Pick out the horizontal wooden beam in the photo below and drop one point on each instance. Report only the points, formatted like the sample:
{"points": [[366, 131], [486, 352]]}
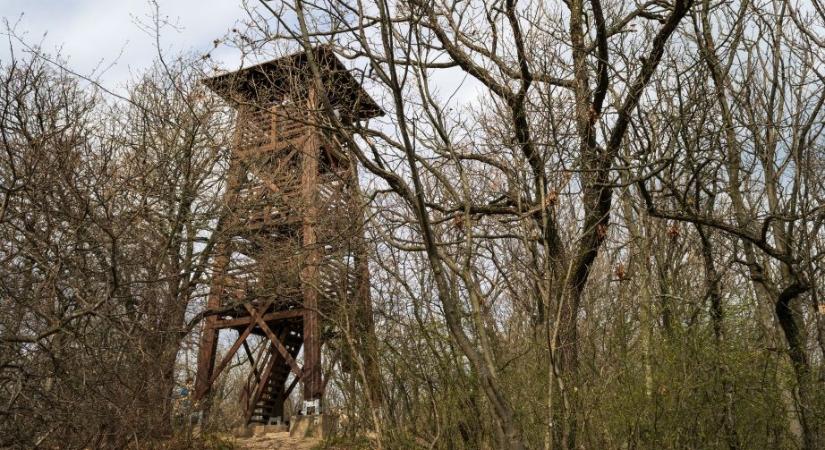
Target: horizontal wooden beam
{"points": [[229, 323]]}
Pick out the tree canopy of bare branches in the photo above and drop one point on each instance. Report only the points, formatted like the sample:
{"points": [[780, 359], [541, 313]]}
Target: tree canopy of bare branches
{"points": [[590, 224]]}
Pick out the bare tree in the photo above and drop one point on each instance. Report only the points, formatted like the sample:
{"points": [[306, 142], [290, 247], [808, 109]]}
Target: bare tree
{"points": [[738, 162], [106, 220]]}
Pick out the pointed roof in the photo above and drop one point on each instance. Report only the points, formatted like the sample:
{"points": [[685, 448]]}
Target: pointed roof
{"points": [[276, 79]]}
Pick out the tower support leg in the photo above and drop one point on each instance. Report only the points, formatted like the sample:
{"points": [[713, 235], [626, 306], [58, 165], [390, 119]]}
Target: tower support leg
{"points": [[310, 280]]}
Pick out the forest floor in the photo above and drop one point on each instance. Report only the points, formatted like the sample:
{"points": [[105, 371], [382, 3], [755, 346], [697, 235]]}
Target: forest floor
{"points": [[275, 441]]}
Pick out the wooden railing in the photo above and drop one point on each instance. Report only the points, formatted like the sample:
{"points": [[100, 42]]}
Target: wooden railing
{"points": [[262, 130]]}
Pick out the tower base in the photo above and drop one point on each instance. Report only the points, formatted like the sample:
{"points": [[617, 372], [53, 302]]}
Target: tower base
{"points": [[320, 426]]}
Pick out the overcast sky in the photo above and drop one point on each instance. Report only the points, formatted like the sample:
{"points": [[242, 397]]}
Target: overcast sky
{"points": [[93, 35], [97, 33]]}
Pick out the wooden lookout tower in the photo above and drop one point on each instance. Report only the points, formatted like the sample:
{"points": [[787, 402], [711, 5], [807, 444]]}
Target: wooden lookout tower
{"points": [[290, 251]]}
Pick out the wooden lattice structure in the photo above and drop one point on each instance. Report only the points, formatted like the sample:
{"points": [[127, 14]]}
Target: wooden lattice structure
{"points": [[290, 249]]}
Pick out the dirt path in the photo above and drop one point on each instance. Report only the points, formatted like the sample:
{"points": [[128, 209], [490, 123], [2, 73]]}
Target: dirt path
{"points": [[275, 441]]}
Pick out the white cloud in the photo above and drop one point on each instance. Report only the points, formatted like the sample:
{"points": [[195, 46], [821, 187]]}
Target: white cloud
{"points": [[94, 34]]}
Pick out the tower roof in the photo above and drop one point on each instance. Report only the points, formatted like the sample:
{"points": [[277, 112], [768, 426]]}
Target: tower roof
{"points": [[274, 80]]}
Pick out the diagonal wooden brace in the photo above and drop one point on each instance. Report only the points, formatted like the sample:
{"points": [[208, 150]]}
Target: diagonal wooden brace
{"points": [[234, 349], [277, 343], [229, 354], [291, 386], [252, 361]]}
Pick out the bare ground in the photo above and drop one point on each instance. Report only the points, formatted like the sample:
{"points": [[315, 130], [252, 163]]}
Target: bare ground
{"points": [[275, 441]]}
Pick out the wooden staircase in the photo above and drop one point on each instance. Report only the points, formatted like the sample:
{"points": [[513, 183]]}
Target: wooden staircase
{"points": [[263, 395]]}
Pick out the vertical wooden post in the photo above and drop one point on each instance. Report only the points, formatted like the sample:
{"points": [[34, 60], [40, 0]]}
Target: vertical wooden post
{"points": [[309, 277], [209, 336]]}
